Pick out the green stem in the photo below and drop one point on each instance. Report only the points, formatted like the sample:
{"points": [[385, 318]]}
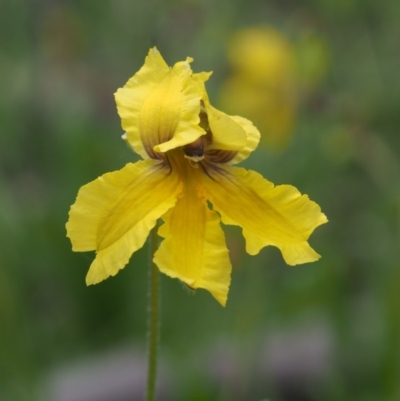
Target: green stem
{"points": [[153, 322]]}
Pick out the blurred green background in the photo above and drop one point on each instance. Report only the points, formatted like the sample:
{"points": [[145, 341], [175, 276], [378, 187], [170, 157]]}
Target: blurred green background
{"points": [[329, 330]]}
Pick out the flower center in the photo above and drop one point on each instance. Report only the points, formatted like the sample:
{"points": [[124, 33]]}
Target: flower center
{"points": [[195, 151]]}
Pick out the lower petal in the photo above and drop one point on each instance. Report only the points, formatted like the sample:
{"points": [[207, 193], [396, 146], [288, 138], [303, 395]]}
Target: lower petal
{"points": [[114, 214], [194, 248], [268, 214]]}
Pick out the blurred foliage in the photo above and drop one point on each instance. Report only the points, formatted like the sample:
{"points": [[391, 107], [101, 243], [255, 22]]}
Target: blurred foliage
{"points": [[61, 62]]}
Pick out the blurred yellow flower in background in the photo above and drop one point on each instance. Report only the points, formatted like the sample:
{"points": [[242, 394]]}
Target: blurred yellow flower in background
{"points": [[268, 75], [188, 148]]}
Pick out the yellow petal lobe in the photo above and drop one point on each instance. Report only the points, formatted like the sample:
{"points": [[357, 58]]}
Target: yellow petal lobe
{"points": [[159, 107], [132, 96], [268, 214], [183, 97], [114, 214], [252, 139], [227, 133], [194, 248]]}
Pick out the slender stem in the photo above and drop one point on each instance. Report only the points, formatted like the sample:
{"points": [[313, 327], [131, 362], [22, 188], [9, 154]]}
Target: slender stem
{"points": [[153, 322]]}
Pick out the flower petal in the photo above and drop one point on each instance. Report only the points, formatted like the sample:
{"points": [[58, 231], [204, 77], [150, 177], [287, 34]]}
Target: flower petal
{"points": [[269, 215], [227, 133], [114, 214], [183, 98], [215, 153], [160, 106], [131, 97], [252, 139], [194, 248]]}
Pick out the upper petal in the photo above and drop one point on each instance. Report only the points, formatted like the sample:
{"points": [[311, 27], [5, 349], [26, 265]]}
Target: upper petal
{"points": [[114, 214], [194, 248], [269, 215], [227, 132], [159, 106], [252, 139], [131, 97], [233, 157], [186, 94]]}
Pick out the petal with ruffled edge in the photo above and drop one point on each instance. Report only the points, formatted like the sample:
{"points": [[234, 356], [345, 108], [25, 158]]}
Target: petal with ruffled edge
{"points": [[252, 139], [114, 214], [180, 98], [227, 132], [194, 248], [159, 106], [131, 97], [268, 214]]}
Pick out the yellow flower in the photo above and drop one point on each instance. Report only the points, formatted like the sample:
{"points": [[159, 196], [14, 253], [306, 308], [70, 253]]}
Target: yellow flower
{"points": [[264, 85], [188, 148]]}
